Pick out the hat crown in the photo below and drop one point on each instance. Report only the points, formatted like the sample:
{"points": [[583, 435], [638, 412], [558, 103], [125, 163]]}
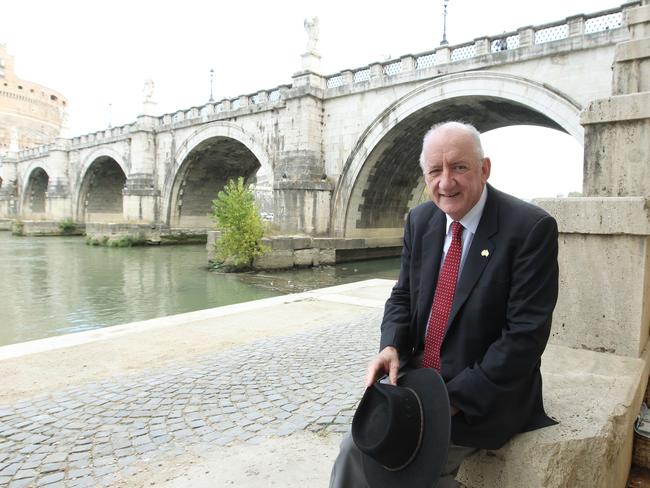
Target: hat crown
{"points": [[390, 426]]}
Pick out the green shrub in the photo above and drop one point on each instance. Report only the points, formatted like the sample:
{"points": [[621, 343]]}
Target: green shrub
{"points": [[236, 216], [128, 241], [17, 227], [103, 241], [67, 226]]}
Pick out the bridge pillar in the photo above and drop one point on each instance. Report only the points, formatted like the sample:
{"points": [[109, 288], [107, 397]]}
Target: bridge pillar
{"points": [[605, 236], [617, 129], [604, 241], [58, 203], [9, 188], [302, 191], [140, 195]]}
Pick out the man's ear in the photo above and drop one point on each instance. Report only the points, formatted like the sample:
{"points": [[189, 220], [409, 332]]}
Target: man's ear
{"points": [[486, 168]]}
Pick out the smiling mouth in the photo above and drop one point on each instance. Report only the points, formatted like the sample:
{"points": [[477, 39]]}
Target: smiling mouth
{"points": [[452, 195]]}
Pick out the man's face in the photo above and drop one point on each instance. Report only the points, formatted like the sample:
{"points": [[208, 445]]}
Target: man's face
{"points": [[453, 171]]}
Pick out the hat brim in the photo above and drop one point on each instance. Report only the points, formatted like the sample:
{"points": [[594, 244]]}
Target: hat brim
{"points": [[426, 467]]}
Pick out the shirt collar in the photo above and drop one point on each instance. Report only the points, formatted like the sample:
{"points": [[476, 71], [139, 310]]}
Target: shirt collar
{"points": [[473, 217]]}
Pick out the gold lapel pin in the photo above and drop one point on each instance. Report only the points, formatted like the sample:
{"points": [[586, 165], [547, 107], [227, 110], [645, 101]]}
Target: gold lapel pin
{"points": [[485, 253]]}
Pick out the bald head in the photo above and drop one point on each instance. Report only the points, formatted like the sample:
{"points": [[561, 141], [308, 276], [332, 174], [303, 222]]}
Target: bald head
{"points": [[454, 128], [455, 170]]}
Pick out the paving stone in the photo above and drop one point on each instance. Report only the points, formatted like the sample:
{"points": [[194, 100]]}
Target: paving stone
{"points": [[102, 449], [10, 470], [87, 482], [126, 461], [79, 463], [25, 473], [103, 461], [4, 449], [104, 470], [50, 478], [144, 448], [163, 439], [120, 443], [220, 398], [22, 483], [183, 434], [52, 467], [78, 473], [31, 464], [145, 439], [29, 449]]}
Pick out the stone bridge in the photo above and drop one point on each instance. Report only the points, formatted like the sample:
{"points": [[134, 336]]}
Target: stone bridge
{"points": [[333, 155]]}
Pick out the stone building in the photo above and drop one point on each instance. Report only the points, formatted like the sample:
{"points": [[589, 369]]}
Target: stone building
{"points": [[30, 114]]}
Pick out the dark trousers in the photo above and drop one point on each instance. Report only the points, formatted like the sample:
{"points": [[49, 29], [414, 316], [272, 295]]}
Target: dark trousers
{"points": [[347, 471]]}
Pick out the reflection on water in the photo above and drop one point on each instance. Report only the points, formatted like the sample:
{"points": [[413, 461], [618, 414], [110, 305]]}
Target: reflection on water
{"points": [[56, 285]]}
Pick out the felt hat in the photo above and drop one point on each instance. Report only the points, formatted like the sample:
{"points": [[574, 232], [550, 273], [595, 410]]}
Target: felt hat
{"points": [[403, 431]]}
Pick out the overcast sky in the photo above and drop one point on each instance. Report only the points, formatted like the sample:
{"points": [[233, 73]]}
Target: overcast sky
{"points": [[99, 53]]}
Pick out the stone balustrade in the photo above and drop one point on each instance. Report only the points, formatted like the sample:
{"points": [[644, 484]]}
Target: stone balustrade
{"points": [[180, 117], [578, 25], [524, 37]]}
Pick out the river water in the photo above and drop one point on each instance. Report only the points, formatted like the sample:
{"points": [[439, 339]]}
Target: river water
{"points": [[57, 285]]}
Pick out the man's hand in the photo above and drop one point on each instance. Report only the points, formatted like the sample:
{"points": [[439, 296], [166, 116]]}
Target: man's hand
{"points": [[387, 361]]}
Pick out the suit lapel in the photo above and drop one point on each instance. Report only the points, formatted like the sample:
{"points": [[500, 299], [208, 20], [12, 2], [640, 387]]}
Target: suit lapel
{"points": [[476, 259], [431, 245]]}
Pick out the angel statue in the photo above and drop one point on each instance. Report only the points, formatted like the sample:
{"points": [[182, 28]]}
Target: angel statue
{"points": [[147, 90], [311, 26]]}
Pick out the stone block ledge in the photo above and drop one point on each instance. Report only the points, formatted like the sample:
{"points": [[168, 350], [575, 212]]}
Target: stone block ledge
{"points": [[5, 224], [41, 228], [302, 251], [635, 106], [123, 233], [599, 215], [596, 398]]}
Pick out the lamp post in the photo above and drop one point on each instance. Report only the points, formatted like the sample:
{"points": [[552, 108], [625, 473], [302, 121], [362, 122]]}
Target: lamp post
{"points": [[444, 23], [211, 80]]}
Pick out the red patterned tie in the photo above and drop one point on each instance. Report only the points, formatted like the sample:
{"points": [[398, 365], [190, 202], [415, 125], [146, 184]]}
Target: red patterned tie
{"points": [[442, 300]]}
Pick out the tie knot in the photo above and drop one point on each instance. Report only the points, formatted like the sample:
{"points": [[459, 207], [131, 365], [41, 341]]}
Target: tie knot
{"points": [[456, 230]]}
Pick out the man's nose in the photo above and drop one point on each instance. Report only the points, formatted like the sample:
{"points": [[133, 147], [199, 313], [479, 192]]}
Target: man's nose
{"points": [[446, 179]]}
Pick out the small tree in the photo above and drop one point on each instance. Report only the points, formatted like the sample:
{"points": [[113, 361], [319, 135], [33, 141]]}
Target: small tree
{"points": [[236, 216]]}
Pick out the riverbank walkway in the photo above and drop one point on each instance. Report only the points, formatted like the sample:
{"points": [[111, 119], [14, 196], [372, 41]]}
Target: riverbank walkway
{"points": [[243, 395], [258, 395]]}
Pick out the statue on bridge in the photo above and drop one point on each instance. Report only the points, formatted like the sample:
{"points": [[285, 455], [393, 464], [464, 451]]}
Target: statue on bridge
{"points": [[147, 90], [148, 105], [311, 26]]}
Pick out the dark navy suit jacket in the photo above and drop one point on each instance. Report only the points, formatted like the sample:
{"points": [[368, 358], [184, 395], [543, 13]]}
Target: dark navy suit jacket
{"points": [[500, 319]]}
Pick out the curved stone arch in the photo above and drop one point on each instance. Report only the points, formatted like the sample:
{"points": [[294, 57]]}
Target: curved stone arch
{"points": [[264, 175], [553, 104], [103, 152], [27, 177]]}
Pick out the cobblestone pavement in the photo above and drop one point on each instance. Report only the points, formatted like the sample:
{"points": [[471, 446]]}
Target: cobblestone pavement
{"points": [[97, 434]]}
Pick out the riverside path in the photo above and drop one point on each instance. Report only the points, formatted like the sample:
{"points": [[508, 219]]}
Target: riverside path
{"points": [[177, 388], [259, 394]]}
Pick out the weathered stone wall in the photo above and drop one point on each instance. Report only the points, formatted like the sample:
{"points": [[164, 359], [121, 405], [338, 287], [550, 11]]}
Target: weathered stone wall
{"points": [[30, 114]]}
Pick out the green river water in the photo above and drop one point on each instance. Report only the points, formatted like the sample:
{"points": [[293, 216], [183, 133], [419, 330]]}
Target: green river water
{"points": [[58, 285]]}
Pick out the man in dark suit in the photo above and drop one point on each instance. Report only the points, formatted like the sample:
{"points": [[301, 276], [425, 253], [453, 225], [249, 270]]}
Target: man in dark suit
{"points": [[492, 302]]}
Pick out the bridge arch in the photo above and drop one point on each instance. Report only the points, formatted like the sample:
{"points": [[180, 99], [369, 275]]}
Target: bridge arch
{"points": [[204, 163], [99, 198], [381, 178], [34, 190]]}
